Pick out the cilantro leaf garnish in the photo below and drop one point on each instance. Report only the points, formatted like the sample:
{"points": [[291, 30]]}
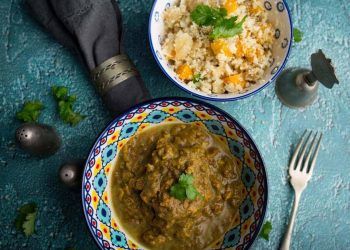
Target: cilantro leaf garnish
{"points": [[65, 105], [184, 189], [204, 15], [265, 231], [298, 35], [25, 220], [30, 111], [227, 28]]}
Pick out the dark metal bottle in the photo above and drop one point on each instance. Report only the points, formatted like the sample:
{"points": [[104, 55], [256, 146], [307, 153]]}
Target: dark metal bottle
{"points": [[297, 87]]}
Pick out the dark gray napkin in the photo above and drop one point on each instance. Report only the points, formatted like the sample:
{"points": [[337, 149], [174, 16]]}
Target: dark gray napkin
{"points": [[92, 28]]}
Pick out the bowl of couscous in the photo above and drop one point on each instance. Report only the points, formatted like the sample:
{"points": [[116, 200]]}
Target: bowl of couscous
{"points": [[221, 50]]}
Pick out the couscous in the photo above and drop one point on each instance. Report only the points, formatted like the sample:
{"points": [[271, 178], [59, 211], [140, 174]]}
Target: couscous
{"points": [[218, 46]]}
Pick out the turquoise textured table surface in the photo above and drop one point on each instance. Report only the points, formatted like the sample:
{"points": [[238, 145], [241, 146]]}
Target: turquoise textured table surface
{"points": [[31, 62]]}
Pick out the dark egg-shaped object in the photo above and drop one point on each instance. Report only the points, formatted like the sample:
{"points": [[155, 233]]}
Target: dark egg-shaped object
{"points": [[70, 174], [38, 139]]}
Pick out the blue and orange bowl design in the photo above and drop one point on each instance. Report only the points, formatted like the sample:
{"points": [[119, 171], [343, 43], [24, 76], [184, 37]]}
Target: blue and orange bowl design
{"points": [[96, 196]]}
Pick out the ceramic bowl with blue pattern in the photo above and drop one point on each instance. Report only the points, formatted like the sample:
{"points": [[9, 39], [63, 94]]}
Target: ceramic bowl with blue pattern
{"points": [[96, 194], [278, 14]]}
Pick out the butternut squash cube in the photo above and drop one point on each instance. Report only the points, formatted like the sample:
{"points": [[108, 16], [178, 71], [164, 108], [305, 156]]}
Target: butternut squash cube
{"points": [[231, 6], [221, 46], [185, 72], [237, 79]]}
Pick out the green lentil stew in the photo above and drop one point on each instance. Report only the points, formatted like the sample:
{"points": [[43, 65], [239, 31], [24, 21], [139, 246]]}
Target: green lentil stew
{"points": [[176, 186]]}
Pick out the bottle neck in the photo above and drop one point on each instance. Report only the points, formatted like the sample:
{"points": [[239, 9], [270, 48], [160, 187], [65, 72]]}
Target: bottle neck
{"points": [[310, 78]]}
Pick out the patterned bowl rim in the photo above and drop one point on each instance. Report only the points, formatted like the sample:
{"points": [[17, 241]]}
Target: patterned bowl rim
{"points": [[196, 101], [209, 98]]}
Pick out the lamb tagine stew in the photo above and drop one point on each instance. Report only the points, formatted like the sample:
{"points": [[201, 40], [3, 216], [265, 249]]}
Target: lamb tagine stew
{"points": [[176, 186]]}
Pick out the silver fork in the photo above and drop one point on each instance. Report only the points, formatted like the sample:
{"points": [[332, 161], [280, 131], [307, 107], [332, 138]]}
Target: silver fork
{"points": [[301, 167]]}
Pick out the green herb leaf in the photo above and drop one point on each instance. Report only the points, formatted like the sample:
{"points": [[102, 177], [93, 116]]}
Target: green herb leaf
{"points": [[30, 111], [186, 180], [60, 92], [298, 35], [184, 188], [25, 220], [227, 28], [29, 224], [197, 78], [191, 193], [65, 105], [265, 231], [178, 191], [205, 15]]}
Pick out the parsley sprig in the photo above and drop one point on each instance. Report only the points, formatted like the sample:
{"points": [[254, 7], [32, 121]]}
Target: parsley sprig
{"points": [[30, 111], [65, 105], [223, 27], [25, 220], [184, 188]]}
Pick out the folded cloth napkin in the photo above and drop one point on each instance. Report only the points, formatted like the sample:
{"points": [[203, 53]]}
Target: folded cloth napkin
{"points": [[93, 29]]}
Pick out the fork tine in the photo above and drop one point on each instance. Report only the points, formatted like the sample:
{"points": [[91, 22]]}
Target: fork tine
{"points": [[311, 151], [301, 157], [296, 151], [313, 162]]}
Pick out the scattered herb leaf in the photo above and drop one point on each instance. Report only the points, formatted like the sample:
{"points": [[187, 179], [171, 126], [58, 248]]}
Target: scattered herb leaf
{"points": [[184, 188], [197, 78], [30, 111], [205, 15], [265, 231], [298, 35], [25, 220], [65, 105]]}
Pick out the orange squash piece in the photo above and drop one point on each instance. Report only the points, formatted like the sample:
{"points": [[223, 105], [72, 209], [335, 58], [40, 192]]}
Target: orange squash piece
{"points": [[235, 79], [185, 72], [220, 46], [239, 52], [256, 10], [231, 6], [250, 54]]}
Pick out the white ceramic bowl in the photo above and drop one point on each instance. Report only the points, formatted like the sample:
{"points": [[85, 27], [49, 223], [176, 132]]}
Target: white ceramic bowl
{"points": [[278, 15]]}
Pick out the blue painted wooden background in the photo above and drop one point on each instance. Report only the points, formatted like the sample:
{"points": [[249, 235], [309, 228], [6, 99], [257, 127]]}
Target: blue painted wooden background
{"points": [[31, 61]]}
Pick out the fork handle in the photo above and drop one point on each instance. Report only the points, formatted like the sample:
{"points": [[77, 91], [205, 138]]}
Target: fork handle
{"points": [[288, 234]]}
